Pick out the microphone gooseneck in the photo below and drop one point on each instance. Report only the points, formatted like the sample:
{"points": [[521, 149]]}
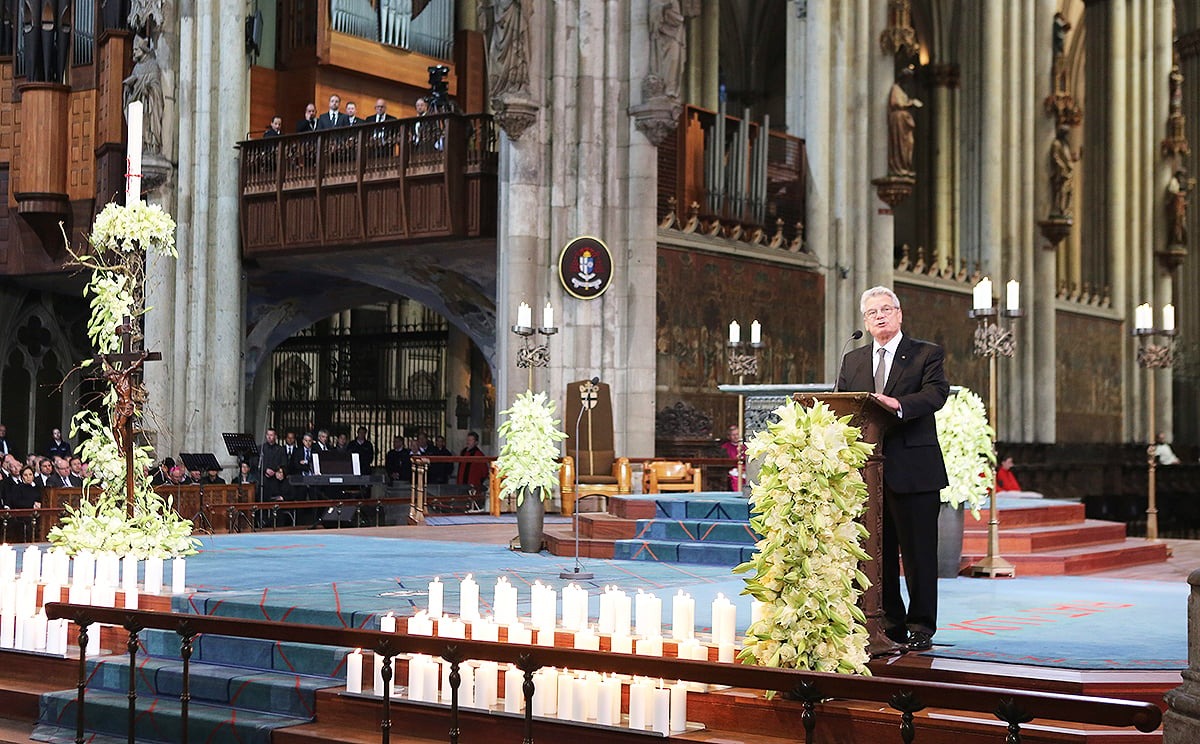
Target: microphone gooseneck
{"points": [[841, 357]]}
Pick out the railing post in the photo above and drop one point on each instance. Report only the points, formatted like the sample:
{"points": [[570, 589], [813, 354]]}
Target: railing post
{"points": [[907, 703], [385, 673], [452, 655], [131, 646], [186, 636], [82, 639], [809, 695], [1014, 715], [526, 664]]}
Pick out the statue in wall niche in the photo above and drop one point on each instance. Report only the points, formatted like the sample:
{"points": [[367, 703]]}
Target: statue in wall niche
{"points": [[46, 32], [505, 23], [145, 84], [1062, 173], [1059, 49], [1179, 188], [901, 126], [668, 45]]}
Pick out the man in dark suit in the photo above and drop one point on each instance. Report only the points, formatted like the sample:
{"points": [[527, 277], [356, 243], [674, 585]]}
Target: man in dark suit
{"points": [[381, 115], [62, 477], [276, 128], [309, 122], [906, 376], [332, 119], [5, 448]]}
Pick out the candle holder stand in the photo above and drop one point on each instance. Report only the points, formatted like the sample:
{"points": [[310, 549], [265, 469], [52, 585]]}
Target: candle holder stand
{"points": [[531, 355], [743, 365], [1152, 356], [994, 338]]}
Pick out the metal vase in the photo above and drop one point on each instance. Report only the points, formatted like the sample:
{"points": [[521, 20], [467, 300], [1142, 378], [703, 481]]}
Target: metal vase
{"points": [[950, 541], [531, 520]]}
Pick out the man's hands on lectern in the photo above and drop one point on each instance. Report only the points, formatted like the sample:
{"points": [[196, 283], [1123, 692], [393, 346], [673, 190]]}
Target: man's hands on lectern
{"points": [[887, 400]]}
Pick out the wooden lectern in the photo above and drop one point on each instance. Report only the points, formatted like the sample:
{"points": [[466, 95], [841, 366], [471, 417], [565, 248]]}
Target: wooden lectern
{"points": [[873, 419]]}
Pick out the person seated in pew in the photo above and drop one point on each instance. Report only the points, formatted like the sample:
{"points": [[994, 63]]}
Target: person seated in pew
{"points": [[212, 478], [23, 495]]}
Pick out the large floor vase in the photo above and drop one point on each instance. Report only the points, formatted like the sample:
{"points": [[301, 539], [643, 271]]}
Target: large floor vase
{"points": [[950, 541], [531, 520]]}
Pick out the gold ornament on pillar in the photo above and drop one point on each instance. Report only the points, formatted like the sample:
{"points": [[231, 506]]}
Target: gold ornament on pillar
{"points": [[1176, 142], [899, 36]]}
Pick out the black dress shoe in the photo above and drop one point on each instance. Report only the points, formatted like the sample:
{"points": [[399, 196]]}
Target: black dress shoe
{"points": [[919, 641], [897, 635]]}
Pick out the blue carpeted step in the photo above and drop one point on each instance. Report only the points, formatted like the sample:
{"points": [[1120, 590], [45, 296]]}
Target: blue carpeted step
{"points": [[698, 530], [671, 551], [295, 658], [275, 692], [715, 506], [157, 719]]}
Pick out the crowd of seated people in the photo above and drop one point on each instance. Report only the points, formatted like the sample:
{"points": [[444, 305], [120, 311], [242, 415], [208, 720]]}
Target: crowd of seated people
{"points": [[22, 482]]}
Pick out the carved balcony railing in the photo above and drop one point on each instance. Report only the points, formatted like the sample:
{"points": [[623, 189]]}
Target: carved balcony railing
{"points": [[402, 180], [733, 175]]}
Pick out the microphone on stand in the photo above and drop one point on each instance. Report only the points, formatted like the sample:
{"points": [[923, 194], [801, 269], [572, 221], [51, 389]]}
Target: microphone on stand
{"points": [[841, 357], [578, 573]]}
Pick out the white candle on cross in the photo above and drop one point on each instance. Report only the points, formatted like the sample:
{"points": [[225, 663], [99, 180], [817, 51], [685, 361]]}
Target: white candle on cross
{"points": [[133, 154]]}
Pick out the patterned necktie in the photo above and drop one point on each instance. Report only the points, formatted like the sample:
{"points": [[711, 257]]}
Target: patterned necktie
{"points": [[881, 372]]}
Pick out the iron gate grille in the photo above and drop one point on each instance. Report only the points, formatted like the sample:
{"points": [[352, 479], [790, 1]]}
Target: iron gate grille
{"points": [[391, 381]]}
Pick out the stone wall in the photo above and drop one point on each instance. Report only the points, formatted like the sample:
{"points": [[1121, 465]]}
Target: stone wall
{"points": [[1088, 368]]}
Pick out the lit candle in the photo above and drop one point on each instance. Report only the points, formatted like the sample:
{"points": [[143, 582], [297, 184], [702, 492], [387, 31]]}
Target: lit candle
{"points": [[545, 638], [51, 593], [387, 623], [154, 574], [416, 676], [587, 640], [8, 630], [514, 695], [436, 589], [85, 569], [604, 702], [129, 574], [574, 603], [429, 685], [983, 294], [504, 604], [8, 563], [548, 316], [451, 628], [662, 711], [641, 698], [1168, 317], [354, 671], [648, 615], [566, 690], [679, 692], [178, 575], [31, 563], [735, 332], [621, 644], [545, 691], [420, 624], [622, 613], [650, 646], [518, 633], [683, 610], [133, 153], [579, 699], [1013, 292], [486, 673], [524, 316], [604, 621], [485, 630], [1143, 317], [756, 332], [468, 595], [543, 606], [725, 653]]}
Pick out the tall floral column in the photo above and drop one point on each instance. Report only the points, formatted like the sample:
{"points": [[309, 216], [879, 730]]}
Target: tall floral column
{"points": [[528, 462]]}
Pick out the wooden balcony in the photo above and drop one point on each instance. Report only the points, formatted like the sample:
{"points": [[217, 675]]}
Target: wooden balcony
{"points": [[381, 184], [732, 171]]}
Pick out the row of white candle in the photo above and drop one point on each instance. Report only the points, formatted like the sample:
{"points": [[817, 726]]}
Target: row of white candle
{"points": [[620, 615], [582, 697], [88, 569]]}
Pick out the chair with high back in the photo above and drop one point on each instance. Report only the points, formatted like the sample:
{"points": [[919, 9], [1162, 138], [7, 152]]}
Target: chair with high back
{"points": [[599, 472], [670, 475]]}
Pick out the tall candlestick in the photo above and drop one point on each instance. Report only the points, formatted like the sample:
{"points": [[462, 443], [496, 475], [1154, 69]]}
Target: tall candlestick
{"points": [[133, 193]]}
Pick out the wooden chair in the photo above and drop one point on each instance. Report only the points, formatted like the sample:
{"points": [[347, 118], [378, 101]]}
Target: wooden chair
{"points": [[670, 475], [599, 484]]}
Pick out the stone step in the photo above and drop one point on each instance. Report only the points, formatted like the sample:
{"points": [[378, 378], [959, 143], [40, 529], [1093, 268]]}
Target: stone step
{"points": [[672, 551], [1014, 539], [1082, 560], [1016, 512]]}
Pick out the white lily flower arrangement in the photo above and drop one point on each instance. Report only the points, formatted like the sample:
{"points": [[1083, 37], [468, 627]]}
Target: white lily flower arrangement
{"points": [[967, 442], [104, 520], [528, 460], [805, 570]]}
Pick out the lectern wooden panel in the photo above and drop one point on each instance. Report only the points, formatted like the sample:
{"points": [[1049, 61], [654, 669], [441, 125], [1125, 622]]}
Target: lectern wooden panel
{"points": [[873, 419]]}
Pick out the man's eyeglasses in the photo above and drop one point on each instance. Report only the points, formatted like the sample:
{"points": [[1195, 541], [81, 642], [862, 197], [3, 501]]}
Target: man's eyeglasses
{"points": [[886, 311]]}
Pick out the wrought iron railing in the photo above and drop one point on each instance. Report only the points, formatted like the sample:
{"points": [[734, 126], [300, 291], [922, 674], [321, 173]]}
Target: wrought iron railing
{"points": [[1013, 707]]}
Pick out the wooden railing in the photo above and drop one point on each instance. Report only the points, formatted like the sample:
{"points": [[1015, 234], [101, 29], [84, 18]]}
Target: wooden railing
{"points": [[402, 180], [1013, 707]]}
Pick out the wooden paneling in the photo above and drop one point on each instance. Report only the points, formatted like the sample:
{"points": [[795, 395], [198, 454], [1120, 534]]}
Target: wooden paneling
{"points": [[113, 64], [264, 102], [300, 219], [373, 58], [427, 207], [81, 181], [8, 105], [470, 64], [44, 148], [384, 209], [14, 172]]}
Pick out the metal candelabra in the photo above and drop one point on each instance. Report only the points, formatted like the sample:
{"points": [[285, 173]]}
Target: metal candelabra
{"points": [[530, 354], [1152, 356], [994, 337], [742, 364]]}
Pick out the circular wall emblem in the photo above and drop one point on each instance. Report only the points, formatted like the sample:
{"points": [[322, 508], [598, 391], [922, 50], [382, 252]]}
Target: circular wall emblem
{"points": [[585, 267]]}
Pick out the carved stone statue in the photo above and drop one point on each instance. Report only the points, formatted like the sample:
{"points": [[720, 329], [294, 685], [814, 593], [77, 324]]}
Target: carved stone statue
{"points": [[145, 84], [506, 25], [1062, 173], [1059, 48], [1178, 190], [901, 127], [668, 45], [46, 30]]}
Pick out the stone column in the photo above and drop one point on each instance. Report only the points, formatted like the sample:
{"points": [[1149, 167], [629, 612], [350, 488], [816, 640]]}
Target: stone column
{"points": [[1187, 307], [1181, 722], [1040, 324], [710, 29], [197, 391], [1160, 32], [880, 69], [945, 77], [991, 145]]}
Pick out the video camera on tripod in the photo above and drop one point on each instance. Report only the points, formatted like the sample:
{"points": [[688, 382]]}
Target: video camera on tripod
{"points": [[439, 97]]}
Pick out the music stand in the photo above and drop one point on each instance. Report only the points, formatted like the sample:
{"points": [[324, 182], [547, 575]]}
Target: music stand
{"points": [[241, 446], [202, 462]]}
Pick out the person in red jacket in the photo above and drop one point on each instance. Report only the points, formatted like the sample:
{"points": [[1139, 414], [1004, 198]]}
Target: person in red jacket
{"points": [[1005, 480], [472, 473]]}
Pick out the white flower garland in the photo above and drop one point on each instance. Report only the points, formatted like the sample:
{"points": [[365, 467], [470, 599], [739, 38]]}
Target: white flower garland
{"points": [[968, 450], [529, 458], [805, 570], [104, 521]]}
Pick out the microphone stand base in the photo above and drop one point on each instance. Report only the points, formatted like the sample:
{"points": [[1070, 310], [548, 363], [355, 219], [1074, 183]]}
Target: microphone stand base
{"points": [[577, 574]]}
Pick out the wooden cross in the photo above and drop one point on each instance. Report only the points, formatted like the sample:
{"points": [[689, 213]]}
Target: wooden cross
{"points": [[125, 407]]}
